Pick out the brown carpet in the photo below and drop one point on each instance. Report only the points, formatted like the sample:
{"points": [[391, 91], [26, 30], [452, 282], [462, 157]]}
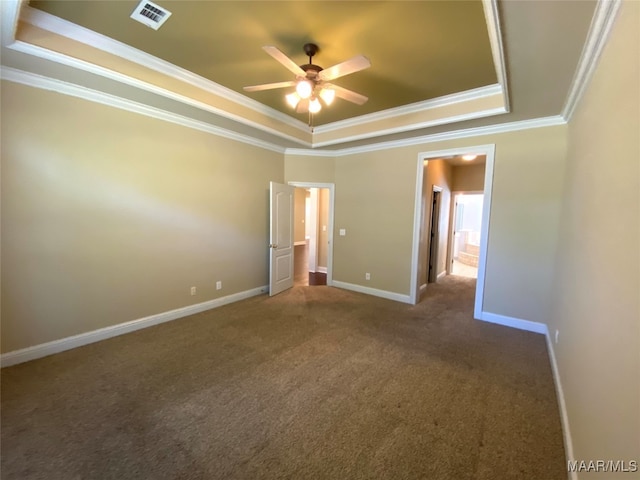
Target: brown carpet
{"points": [[315, 383]]}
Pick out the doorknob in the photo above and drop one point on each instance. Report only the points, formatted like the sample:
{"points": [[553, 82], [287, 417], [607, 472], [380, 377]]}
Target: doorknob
{"points": [[273, 245]]}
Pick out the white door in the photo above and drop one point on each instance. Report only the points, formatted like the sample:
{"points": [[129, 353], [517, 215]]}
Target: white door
{"points": [[281, 238]]}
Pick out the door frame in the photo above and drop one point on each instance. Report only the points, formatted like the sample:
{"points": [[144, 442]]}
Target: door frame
{"points": [[489, 151], [331, 188], [434, 240]]}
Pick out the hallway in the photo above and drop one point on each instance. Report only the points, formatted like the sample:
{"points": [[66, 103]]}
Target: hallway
{"points": [[301, 274]]}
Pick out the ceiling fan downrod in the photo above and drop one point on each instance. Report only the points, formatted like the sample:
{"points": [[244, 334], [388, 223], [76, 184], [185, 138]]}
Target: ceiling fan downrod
{"points": [[310, 49]]}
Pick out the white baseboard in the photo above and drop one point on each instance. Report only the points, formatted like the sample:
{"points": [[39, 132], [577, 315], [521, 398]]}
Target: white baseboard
{"points": [[564, 417], [57, 346], [398, 297], [423, 288], [441, 274], [321, 269], [512, 322]]}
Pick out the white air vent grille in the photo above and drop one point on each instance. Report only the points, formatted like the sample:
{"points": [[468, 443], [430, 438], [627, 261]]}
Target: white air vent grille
{"points": [[150, 14]]}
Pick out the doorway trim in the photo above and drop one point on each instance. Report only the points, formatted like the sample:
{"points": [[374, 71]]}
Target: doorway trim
{"points": [[489, 151], [331, 188], [433, 252]]}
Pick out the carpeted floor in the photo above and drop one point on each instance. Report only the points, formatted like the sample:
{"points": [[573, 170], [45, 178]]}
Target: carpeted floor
{"points": [[315, 383]]}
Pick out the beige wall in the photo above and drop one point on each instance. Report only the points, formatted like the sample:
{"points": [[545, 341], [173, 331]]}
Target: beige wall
{"points": [[375, 196], [299, 211], [139, 197], [526, 201], [309, 168], [468, 178], [109, 216], [374, 203], [597, 282]]}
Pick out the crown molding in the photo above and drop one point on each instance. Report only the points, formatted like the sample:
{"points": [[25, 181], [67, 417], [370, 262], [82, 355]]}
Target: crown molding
{"points": [[414, 126], [10, 14], [36, 51], [497, 49], [444, 101], [551, 121], [65, 88], [601, 23], [308, 152]]}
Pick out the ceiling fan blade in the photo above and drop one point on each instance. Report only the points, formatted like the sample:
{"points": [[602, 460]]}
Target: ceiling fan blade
{"points": [[268, 86], [289, 64], [347, 67], [303, 106], [348, 95]]}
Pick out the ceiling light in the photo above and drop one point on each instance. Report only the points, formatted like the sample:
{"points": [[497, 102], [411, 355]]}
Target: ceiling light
{"points": [[327, 95], [314, 105], [293, 99], [304, 88], [469, 157]]}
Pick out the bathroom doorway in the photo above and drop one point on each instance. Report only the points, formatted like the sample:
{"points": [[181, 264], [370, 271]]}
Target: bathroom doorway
{"points": [[465, 239]]}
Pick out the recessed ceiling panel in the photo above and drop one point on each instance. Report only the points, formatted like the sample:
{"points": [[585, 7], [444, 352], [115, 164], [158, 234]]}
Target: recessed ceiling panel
{"points": [[418, 50]]}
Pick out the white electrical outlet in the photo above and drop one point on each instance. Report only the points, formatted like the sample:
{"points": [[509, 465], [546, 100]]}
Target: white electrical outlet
{"points": [[218, 285], [367, 276], [557, 334], [193, 290]]}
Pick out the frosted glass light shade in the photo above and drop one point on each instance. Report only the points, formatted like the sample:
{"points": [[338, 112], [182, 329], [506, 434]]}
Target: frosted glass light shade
{"points": [[304, 88], [328, 95], [314, 105], [293, 99]]}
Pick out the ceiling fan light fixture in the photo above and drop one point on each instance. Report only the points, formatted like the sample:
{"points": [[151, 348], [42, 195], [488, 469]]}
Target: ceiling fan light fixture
{"points": [[314, 105], [293, 99], [327, 95], [304, 88]]}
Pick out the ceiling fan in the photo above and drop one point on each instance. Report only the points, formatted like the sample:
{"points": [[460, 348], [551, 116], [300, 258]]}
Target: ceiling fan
{"points": [[312, 81]]}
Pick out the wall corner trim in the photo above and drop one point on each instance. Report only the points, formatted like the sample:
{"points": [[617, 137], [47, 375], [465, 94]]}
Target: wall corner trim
{"points": [[57, 346], [398, 297]]}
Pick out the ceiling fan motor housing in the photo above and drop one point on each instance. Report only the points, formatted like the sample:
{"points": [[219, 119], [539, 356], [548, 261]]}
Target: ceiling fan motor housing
{"points": [[310, 49]]}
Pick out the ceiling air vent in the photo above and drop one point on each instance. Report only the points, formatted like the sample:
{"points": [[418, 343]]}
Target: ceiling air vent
{"points": [[150, 14]]}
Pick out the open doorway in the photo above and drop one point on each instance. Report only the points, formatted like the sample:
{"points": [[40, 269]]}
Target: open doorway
{"points": [[450, 170], [312, 235], [465, 234]]}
